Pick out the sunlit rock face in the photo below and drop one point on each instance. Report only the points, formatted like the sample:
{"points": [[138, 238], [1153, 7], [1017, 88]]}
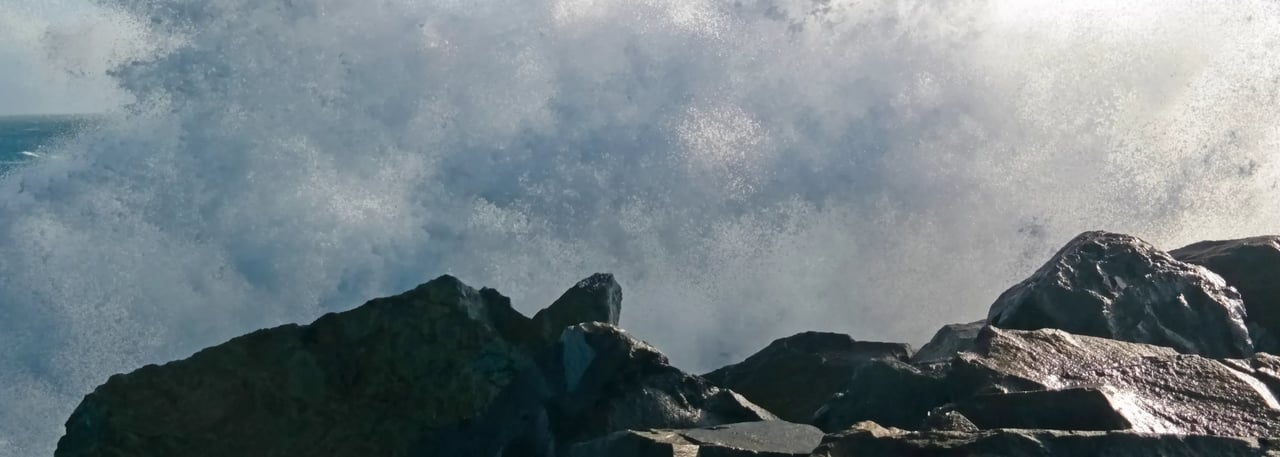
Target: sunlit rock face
{"points": [[1117, 286], [868, 439], [1252, 266], [369, 381], [825, 361]]}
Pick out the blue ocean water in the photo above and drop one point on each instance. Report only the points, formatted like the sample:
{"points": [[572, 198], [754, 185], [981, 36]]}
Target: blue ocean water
{"points": [[24, 138]]}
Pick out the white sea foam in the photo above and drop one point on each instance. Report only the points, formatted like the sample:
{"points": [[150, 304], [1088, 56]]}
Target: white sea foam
{"points": [[748, 169]]}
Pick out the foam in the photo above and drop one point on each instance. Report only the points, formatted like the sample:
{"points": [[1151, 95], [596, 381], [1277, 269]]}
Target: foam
{"points": [[747, 170]]}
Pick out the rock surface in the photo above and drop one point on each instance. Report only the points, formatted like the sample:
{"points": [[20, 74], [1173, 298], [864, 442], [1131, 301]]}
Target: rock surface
{"points": [[825, 361], [749, 439], [885, 391], [1118, 286], [596, 380], [1252, 266], [369, 381], [1151, 388], [868, 439], [950, 340]]}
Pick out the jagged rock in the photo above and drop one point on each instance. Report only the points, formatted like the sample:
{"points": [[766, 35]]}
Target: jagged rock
{"points": [[1154, 389], [825, 361], [595, 299], [885, 391], [1252, 266], [944, 419], [1117, 286], [596, 380], [749, 439], [369, 381], [950, 340], [868, 439]]}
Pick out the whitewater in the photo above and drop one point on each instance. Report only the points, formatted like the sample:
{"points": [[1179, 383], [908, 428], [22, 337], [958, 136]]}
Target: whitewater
{"points": [[748, 169]]}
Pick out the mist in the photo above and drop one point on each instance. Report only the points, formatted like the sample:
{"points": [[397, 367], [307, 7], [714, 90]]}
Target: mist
{"points": [[747, 169]]}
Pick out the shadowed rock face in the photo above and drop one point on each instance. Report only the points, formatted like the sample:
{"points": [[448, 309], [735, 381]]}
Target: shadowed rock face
{"points": [[870, 440], [1117, 286], [825, 361], [370, 381], [889, 392], [596, 380], [947, 342], [749, 439], [1252, 266]]}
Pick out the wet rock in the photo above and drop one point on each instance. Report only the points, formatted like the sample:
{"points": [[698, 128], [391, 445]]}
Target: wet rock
{"points": [[1252, 266], [595, 299], [596, 380], [886, 391], [369, 381], [946, 419], [868, 439], [1117, 286], [750, 439], [1154, 389], [825, 361], [950, 340]]}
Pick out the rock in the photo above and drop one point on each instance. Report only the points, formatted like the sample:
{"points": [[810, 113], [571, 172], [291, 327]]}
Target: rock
{"points": [[1252, 266], [1075, 408], [1101, 384], [945, 419], [885, 391], [596, 380], [595, 299], [369, 381], [1117, 286], [950, 340], [749, 439], [825, 361], [868, 439]]}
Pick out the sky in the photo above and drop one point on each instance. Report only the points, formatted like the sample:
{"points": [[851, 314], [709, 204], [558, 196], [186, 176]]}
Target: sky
{"points": [[54, 55]]}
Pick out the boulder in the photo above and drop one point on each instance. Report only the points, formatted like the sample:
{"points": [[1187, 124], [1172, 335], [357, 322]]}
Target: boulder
{"points": [[369, 381], [868, 439], [595, 381], [1252, 266], [1052, 379], [950, 340], [886, 391], [825, 361], [1118, 286], [749, 439]]}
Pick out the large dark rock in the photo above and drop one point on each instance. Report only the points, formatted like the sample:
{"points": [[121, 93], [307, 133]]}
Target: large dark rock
{"points": [[748, 439], [886, 391], [950, 340], [596, 380], [369, 381], [1117, 286], [595, 299], [1252, 266], [868, 439], [1151, 388], [825, 361]]}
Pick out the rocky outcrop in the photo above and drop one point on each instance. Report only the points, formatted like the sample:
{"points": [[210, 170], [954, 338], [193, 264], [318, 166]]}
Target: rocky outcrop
{"points": [[369, 381], [947, 342], [750, 439], [868, 439], [1252, 266], [595, 299], [596, 380], [1117, 286], [825, 361]]}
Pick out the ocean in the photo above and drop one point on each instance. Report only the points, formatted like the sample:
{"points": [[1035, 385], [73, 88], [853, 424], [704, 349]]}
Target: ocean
{"points": [[25, 138]]}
